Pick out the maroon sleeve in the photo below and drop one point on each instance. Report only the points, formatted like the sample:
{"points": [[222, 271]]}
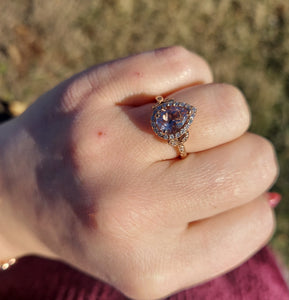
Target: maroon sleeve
{"points": [[34, 278]]}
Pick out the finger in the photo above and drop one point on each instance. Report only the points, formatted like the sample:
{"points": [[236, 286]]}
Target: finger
{"points": [[219, 244], [222, 115], [224, 177], [137, 79]]}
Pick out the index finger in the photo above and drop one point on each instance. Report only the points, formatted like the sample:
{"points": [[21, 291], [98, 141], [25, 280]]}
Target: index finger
{"points": [[136, 79]]}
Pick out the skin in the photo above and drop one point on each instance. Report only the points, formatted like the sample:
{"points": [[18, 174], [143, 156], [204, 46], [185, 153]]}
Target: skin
{"points": [[85, 180]]}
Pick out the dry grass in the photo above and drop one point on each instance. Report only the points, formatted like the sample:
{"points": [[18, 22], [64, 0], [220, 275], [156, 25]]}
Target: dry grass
{"points": [[43, 42]]}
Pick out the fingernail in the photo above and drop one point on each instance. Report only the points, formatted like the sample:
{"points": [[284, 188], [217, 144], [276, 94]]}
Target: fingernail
{"points": [[274, 199]]}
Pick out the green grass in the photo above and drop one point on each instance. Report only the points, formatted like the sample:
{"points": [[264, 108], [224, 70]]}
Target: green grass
{"points": [[246, 42]]}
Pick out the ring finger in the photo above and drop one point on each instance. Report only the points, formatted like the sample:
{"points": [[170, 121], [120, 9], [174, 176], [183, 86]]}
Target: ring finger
{"points": [[222, 115]]}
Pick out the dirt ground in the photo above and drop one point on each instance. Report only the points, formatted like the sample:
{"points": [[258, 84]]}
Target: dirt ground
{"points": [[246, 42]]}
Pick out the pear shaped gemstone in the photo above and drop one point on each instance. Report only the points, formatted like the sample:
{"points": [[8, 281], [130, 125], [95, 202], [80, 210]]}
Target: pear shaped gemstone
{"points": [[172, 119]]}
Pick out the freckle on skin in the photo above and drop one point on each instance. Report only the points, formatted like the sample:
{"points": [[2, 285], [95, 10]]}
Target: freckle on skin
{"points": [[100, 133], [138, 74]]}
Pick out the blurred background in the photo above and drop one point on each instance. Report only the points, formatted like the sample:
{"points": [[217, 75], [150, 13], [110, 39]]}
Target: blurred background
{"points": [[246, 43]]}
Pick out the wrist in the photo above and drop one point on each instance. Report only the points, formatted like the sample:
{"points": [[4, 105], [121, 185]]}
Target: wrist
{"points": [[16, 238]]}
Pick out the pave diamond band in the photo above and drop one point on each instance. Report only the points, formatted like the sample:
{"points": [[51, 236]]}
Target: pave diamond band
{"points": [[171, 120]]}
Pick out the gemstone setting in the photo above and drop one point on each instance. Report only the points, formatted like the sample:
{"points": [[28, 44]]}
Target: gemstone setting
{"points": [[171, 120]]}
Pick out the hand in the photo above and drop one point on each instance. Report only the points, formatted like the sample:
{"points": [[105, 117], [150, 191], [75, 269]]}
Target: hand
{"points": [[86, 181]]}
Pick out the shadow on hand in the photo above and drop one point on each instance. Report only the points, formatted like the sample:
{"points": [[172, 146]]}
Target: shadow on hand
{"points": [[57, 169]]}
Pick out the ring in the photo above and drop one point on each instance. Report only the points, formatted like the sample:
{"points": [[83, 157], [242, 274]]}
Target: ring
{"points": [[171, 120]]}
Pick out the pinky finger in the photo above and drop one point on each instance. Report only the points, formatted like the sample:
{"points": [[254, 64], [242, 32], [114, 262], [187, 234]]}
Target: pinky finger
{"points": [[218, 244]]}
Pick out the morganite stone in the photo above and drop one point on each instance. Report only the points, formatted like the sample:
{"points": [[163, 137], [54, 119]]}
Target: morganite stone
{"points": [[172, 119]]}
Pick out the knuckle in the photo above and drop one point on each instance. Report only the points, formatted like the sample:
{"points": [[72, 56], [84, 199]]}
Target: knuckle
{"points": [[236, 105], [71, 95], [232, 106], [75, 91], [176, 56], [265, 222], [201, 64], [183, 60], [266, 159], [232, 92], [69, 98]]}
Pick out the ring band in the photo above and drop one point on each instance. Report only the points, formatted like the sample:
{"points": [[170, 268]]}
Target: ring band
{"points": [[171, 120]]}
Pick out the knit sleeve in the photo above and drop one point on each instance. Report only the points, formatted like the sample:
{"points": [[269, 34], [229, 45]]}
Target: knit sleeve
{"points": [[35, 278]]}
